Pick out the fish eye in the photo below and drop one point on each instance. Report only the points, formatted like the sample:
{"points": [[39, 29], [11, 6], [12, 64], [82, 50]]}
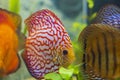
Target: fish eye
{"points": [[65, 52]]}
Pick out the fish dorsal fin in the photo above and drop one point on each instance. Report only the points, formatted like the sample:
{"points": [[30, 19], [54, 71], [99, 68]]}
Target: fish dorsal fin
{"points": [[95, 30], [10, 18], [106, 11]]}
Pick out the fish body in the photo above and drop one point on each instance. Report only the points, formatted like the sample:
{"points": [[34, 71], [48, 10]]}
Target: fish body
{"points": [[48, 45], [9, 60], [109, 14], [101, 52]]}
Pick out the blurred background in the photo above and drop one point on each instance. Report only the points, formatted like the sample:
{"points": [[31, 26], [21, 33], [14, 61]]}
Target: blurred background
{"points": [[75, 15]]}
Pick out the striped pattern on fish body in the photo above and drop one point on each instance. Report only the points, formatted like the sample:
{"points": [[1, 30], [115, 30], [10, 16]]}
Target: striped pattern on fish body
{"points": [[109, 14], [48, 45], [101, 52]]}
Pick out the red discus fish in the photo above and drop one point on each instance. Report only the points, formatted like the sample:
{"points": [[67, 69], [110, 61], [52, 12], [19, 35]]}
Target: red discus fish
{"points": [[48, 45], [109, 14], [101, 52], [9, 60]]}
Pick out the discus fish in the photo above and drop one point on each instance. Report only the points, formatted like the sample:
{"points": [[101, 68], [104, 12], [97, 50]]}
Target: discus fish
{"points": [[101, 52], [9, 60], [109, 14], [48, 45]]}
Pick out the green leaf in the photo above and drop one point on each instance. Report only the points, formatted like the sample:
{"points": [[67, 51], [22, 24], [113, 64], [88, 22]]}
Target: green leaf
{"points": [[75, 68], [53, 76], [90, 3], [66, 73], [14, 5], [93, 16]]}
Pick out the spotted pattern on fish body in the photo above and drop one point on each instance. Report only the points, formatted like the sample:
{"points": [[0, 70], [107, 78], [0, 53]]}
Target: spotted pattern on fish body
{"points": [[109, 14], [48, 45], [101, 52]]}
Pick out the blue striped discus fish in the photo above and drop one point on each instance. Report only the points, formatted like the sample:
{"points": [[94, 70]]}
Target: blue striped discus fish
{"points": [[109, 14], [101, 52]]}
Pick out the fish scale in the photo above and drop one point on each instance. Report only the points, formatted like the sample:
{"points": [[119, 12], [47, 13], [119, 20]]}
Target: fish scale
{"points": [[47, 39]]}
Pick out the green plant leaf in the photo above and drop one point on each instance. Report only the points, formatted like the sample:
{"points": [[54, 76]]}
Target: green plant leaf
{"points": [[53, 76], [66, 73], [90, 3], [75, 68], [14, 5]]}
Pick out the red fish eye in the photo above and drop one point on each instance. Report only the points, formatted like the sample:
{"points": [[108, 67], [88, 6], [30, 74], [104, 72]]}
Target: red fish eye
{"points": [[65, 52]]}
